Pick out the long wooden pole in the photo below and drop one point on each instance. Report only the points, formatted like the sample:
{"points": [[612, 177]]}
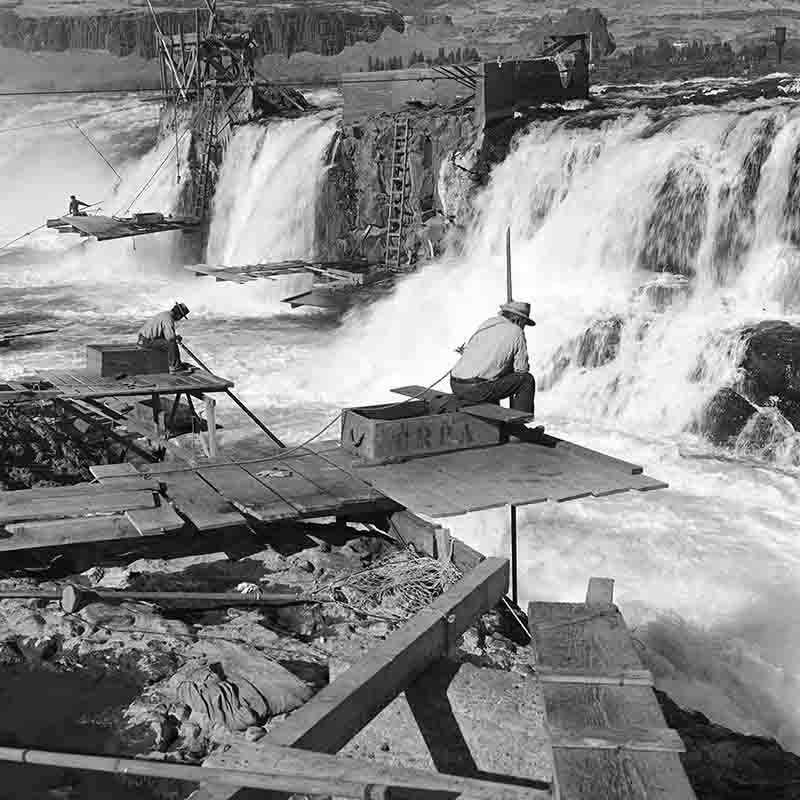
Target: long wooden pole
{"points": [[239, 402], [274, 781], [508, 264], [513, 509]]}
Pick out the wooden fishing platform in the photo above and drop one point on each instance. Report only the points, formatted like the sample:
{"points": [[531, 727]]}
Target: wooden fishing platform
{"points": [[429, 472], [105, 228]]}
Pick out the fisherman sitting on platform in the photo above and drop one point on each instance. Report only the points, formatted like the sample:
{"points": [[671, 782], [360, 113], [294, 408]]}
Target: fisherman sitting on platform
{"points": [[494, 362], [159, 333], [75, 207]]}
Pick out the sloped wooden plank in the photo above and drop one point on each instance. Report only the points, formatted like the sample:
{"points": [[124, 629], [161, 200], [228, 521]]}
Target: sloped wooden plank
{"points": [[30, 535], [76, 506], [621, 775], [155, 521], [653, 740], [247, 493], [575, 637], [201, 504]]}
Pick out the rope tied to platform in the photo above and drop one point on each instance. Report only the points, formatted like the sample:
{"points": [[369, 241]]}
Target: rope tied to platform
{"points": [[401, 584]]}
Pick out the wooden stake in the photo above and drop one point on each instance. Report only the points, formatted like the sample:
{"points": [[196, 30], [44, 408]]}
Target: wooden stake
{"points": [[508, 264], [513, 520]]}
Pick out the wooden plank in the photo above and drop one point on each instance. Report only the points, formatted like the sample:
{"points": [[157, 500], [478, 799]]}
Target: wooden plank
{"points": [[596, 677], [574, 706], [201, 504], [78, 506], [621, 775], [103, 471], [576, 638], [155, 521], [401, 779], [600, 592], [494, 413], [30, 535], [77, 490], [247, 493], [665, 740], [291, 486]]}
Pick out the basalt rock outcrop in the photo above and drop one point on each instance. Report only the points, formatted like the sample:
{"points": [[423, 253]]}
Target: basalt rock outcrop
{"points": [[353, 208], [725, 765], [766, 397], [325, 29]]}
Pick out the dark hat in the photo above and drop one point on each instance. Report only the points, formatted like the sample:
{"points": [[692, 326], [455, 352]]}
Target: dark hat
{"points": [[518, 309], [182, 309]]}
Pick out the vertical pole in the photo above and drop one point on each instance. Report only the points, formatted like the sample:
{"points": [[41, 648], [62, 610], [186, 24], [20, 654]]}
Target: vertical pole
{"points": [[508, 264], [211, 422], [513, 509], [197, 50]]}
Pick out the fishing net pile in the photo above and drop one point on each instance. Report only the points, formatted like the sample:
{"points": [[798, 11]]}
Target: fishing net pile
{"points": [[397, 586]]}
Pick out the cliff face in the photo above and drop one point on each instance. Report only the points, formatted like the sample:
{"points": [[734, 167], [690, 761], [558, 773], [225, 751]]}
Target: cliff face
{"points": [[322, 29], [353, 209]]}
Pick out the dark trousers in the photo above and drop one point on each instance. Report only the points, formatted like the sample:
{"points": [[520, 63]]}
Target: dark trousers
{"points": [[170, 345], [519, 386]]}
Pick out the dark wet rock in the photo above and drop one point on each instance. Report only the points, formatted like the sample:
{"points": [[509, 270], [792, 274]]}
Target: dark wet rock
{"points": [[771, 363], [600, 343], [724, 765], [725, 416], [443, 171], [677, 223]]}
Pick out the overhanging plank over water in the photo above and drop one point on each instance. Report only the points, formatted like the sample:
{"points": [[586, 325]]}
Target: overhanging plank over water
{"points": [[105, 228]]}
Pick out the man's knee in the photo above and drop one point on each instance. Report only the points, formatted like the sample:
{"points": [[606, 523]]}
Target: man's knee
{"points": [[527, 381]]}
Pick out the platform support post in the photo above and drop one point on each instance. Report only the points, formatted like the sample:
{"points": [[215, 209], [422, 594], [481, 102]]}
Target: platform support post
{"points": [[211, 421], [513, 521]]}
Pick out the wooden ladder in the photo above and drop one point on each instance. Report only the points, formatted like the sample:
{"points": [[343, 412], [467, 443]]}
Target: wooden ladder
{"points": [[397, 194], [200, 204]]}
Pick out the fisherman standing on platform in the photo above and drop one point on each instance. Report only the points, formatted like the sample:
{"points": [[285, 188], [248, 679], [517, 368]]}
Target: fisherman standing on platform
{"points": [[75, 206], [494, 362], [159, 333]]}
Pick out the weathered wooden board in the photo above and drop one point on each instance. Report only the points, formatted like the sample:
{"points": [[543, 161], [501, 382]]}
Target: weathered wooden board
{"points": [[596, 676], [655, 740], [30, 535], [106, 471], [247, 493], [572, 707], [622, 775], [86, 505], [197, 501], [333, 716], [305, 496], [155, 521], [109, 360], [77, 490], [574, 636]]}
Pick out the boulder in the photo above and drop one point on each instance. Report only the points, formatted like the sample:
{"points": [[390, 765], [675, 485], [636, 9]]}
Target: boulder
{"points": [[724, 416], [771, 364]]}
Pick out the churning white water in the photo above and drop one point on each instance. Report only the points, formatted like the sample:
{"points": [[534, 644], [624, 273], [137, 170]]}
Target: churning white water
{"points": [[656, 178]]}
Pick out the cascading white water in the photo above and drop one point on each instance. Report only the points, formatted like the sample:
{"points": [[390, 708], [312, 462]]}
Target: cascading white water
{"points": [[264, 205]]}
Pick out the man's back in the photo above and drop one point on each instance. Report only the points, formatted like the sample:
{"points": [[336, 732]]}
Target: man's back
{"points": [[497, 348], [161, 326]]}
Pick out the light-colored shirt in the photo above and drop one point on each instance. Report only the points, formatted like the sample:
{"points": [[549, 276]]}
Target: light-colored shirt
{"points": [[161, 326], [497, 348]]}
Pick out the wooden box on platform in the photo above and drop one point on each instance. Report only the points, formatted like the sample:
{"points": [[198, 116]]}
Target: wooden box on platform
{"points": [[383, 434], [109, 360]]}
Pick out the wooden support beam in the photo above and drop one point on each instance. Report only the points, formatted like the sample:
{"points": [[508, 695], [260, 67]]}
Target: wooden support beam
{"points": [[211, 423], [332, 717]]}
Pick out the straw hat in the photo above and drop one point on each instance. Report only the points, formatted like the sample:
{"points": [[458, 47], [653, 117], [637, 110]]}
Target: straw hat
{"points": [[519, 309]]}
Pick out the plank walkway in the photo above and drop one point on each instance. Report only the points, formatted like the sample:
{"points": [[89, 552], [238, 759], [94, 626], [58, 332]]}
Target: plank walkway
{"points": [[608, 735]]}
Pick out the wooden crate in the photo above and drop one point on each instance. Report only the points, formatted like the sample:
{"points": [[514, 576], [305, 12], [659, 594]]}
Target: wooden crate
{"points": [[381, 434], [108, 360]]}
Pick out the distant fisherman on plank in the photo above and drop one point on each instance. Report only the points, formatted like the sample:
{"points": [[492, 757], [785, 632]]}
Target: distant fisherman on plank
{"points": [[159, 333], [75, 207], [494, 362]]}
